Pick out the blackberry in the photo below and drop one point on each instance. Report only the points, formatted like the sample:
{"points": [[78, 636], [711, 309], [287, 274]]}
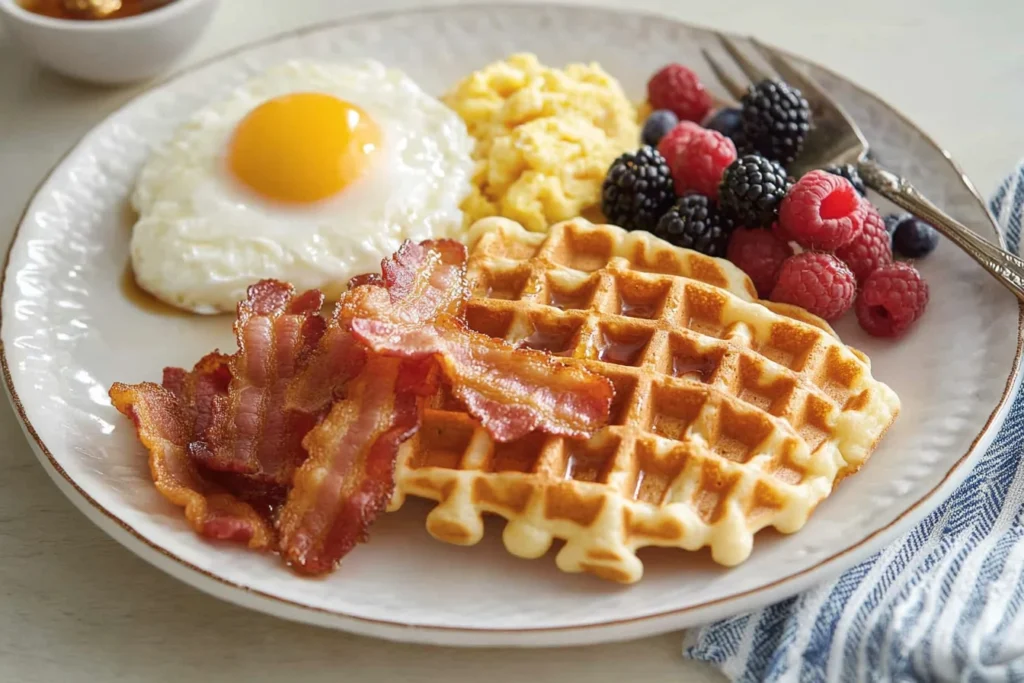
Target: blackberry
{"points": [[775, 121], [752, 188], [657, 124], [726, 121], [694, 222], [637, 190], [849, 171]]}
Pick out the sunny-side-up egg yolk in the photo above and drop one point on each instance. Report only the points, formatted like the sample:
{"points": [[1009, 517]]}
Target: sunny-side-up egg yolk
{"points": [[303, 148]]}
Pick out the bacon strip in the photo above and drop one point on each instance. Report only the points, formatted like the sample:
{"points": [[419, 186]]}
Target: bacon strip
{"points": [[349, 476], [337, 359], [365, 279], [426, 280], [258, 426], [511, 391], [165, 419], [198, 391]]}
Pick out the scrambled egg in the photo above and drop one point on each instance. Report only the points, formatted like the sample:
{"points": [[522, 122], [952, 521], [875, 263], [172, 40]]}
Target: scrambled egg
{"points": [[544, 138]]}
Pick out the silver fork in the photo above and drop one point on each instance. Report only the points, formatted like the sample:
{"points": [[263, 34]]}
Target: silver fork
{"points": [[836, 139]]}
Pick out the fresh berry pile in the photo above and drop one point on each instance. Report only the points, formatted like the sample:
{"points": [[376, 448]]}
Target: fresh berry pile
{"points": [[846, 255], [721, 188]]}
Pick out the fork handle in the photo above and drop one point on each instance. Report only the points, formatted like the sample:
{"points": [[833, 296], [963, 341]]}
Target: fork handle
{"points": [[1001, 264]]}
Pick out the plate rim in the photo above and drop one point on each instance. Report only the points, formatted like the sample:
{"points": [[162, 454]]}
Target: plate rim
{"points": [[605, 631]]}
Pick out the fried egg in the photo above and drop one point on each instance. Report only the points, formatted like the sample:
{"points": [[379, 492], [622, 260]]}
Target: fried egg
{"points": [[310, 173]]}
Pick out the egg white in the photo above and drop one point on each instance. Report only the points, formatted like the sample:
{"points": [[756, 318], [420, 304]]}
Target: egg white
{"points": [[201, 238]]}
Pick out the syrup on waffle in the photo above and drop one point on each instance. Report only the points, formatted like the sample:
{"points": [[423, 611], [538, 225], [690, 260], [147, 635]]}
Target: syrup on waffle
{"points": [[730, 415]]}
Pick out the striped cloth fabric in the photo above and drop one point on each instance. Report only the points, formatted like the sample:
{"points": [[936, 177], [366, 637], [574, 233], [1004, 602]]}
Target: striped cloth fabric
{"points": [[944, 603]]}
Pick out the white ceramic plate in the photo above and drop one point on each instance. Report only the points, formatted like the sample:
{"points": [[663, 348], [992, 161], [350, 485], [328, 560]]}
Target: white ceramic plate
{"points": [[68, 331]]}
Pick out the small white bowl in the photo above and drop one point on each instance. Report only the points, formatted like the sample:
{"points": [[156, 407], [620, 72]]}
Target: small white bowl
{"points": [[111, 51]]}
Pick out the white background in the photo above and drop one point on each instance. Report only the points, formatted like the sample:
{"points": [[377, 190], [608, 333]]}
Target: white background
{"points": [[74, 605]]}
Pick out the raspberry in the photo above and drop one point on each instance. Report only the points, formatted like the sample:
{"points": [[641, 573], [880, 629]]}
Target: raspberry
{"points": [[759, 254], [699, 165], [871, 248], [892, 298], [822, 211], [677, 88], [671, 145], [819, 283]]}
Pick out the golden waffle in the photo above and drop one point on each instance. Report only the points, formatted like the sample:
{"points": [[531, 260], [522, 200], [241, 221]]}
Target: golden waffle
{"points": [[730, 415]]}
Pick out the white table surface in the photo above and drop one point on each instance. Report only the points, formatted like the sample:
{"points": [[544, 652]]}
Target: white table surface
{"points": [[76, 606]]}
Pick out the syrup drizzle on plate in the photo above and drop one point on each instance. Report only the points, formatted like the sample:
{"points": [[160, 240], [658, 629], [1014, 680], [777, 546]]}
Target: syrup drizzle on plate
{"points": [[142, 299]]}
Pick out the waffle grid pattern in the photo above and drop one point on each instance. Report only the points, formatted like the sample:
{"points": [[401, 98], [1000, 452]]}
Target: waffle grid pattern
{"points": [[728, 416]]}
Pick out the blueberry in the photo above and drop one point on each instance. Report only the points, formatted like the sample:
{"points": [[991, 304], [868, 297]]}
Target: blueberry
{"points": [[725, 121], [914, 238], [660, 122]]}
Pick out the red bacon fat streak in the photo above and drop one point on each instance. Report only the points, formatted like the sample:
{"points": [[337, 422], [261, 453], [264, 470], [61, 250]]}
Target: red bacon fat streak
{"points": [[290, 443]]}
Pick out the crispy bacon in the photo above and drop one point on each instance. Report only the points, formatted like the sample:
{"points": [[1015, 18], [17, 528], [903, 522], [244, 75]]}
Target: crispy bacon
{"points": [[426, 280], [329, 369], [349, 476], [365, 279], [303, 424], [165, 419], [198, 391], [511, 391], [254, 432]]}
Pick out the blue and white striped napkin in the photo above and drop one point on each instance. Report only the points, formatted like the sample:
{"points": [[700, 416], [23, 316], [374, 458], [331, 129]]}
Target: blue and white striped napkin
{"points": [[944, 603]]}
